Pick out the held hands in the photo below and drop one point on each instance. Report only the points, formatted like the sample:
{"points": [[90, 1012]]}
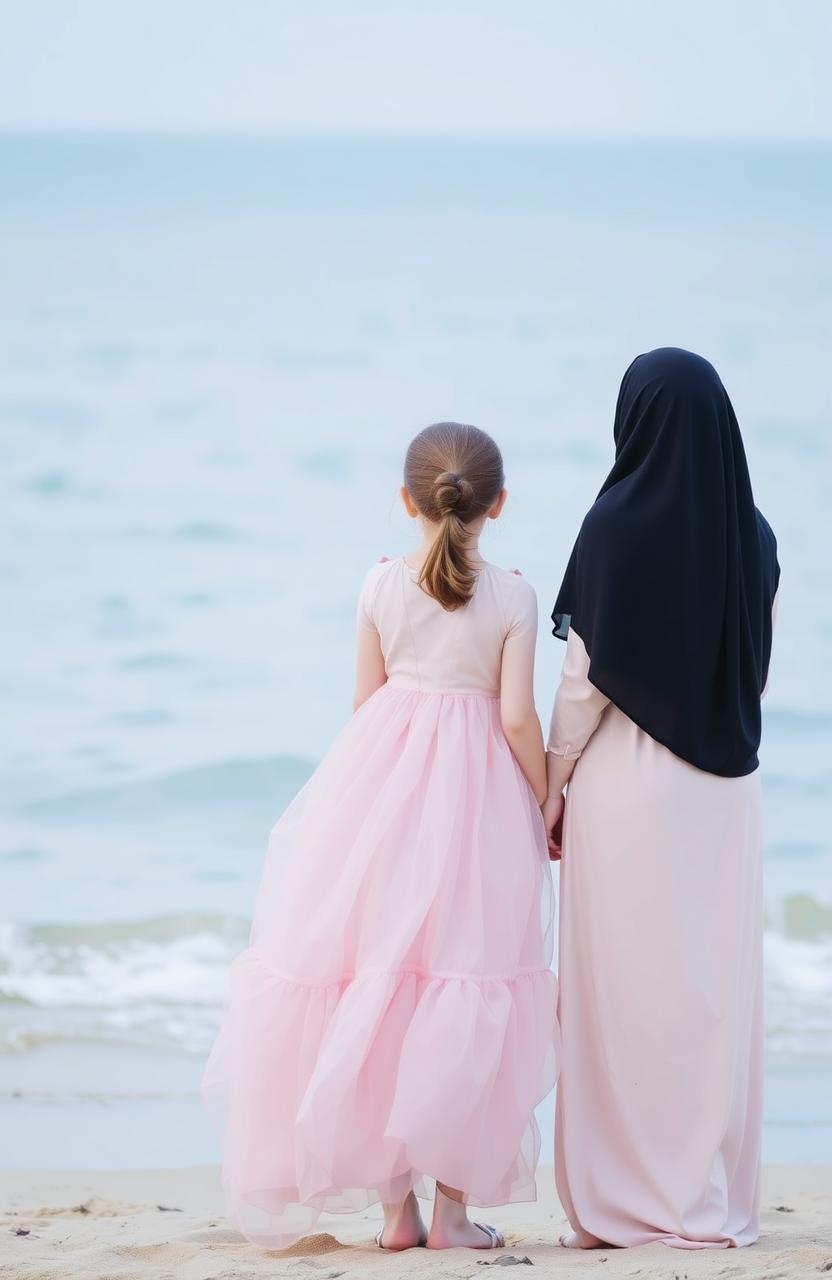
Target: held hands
{"points": [[552, 809]]}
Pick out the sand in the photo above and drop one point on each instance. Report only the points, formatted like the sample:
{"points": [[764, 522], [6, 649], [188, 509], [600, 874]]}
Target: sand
{"points": [[168, 1226]]}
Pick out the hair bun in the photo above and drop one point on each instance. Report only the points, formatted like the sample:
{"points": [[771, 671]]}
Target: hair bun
{"points": [[452, 493]]}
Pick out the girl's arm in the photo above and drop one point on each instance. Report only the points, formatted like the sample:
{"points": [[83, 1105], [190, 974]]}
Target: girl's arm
{"points": [[517, 712], [558, 773], [370, 673]]}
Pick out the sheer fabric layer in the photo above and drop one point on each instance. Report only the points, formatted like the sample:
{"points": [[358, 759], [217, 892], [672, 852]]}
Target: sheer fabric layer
{"points": [[394, 1017]]}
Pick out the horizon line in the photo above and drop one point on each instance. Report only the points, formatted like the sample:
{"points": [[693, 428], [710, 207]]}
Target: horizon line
{"points": [[411, 136]]}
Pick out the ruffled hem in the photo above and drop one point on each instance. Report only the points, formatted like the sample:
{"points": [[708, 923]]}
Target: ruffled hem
{"points": [[332, 1095]]}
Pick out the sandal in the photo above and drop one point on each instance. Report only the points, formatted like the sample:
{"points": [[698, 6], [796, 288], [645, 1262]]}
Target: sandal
{"points": [[496, 1238]]}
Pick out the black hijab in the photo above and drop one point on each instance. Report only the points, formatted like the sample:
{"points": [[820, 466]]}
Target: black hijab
{"points": [[671, 581]]}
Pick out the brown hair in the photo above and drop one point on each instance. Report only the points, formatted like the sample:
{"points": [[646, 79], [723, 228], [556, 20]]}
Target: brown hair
{"points": [[454, 474]]}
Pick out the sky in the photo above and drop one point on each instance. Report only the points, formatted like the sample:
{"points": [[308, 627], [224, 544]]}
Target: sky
{"points": [[712, 69]]}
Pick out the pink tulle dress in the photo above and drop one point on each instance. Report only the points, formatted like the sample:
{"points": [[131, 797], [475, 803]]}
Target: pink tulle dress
{"points": [[394, 1015]]}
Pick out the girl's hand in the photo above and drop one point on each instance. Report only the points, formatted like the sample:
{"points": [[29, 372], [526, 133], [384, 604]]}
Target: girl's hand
{"points": [[553, 822]]}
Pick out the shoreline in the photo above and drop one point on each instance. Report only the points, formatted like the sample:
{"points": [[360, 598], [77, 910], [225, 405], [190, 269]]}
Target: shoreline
{"points": [[152, 1224], [68, 1106]]}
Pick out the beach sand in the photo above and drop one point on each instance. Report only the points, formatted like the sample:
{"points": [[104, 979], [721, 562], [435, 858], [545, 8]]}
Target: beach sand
{"points": [[169, 1224]]}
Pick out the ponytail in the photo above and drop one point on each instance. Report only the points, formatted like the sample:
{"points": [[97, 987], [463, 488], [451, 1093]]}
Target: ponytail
{"points": [[454, 474], [447, 573]]}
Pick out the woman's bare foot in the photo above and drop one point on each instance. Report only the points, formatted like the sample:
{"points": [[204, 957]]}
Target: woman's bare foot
{"points": [[451, 1227], [403, 1225]]}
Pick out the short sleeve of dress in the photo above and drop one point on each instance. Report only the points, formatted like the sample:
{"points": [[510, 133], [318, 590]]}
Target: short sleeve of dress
{"points": [[521, 610], [366, 617]]}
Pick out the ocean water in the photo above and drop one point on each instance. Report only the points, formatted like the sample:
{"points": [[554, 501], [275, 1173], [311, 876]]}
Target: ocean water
{"points": [[213, 353]]}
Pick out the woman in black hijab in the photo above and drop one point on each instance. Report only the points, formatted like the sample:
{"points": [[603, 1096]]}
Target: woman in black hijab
{"points": [[666, 607]]}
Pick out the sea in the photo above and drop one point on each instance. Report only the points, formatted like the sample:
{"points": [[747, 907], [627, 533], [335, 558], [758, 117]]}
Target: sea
{"points": [[213, 353]]}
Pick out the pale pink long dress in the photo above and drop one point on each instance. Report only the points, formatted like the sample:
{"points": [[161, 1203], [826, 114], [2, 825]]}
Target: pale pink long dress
{"points": [[659, 1107], [394, 1017]]}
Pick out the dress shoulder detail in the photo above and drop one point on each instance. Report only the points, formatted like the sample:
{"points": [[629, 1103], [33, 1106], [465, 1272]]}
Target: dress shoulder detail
{"points": [[516, 586], [377, 570], [369, 590], [510, 576]]}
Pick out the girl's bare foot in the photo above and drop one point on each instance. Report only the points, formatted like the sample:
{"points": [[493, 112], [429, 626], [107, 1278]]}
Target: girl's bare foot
{"points": [[581, 1240], [403, 1225], [451, 1227]]}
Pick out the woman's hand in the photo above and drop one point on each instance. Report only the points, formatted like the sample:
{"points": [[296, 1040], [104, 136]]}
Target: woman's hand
{"points": [[552, 809]]}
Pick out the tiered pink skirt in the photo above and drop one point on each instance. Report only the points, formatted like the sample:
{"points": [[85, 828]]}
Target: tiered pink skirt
{"points": [[393, 1017]]}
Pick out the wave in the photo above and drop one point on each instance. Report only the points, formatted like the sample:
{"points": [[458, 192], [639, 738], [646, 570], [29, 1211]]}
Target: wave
{"points": [[124, 933], [269, 781], [254, 787], [160, 981]]}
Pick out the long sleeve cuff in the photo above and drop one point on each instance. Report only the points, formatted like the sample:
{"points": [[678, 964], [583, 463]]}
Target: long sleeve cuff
{"points": [[578, 704]]}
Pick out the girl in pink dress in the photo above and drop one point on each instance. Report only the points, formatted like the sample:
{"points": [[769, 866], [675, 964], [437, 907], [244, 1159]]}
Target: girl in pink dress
{"points": [[393, 1018]]}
